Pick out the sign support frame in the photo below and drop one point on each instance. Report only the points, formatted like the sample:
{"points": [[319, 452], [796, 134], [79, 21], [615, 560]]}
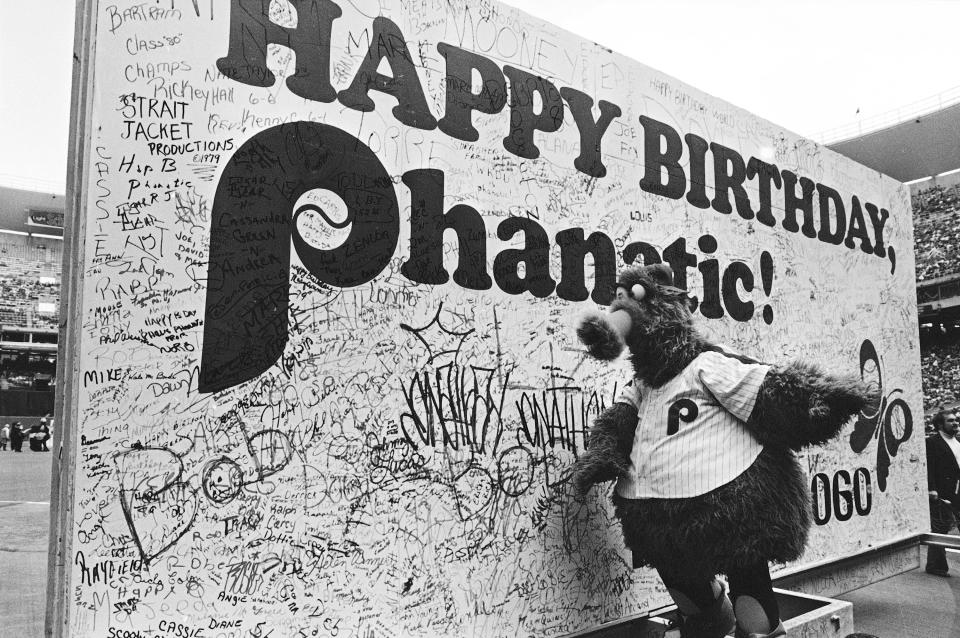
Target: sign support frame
{"points": [[62, 485]]}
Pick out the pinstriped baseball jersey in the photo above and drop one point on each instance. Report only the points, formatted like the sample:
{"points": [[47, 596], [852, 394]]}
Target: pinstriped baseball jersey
{"points": [[691, 437]]}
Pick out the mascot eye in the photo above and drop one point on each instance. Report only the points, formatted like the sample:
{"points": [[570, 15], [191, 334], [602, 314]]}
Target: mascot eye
{"points": [[638, 292], [622, 293]]}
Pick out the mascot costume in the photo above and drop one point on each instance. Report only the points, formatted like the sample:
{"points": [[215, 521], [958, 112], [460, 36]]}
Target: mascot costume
{"points": [[701, 443]]}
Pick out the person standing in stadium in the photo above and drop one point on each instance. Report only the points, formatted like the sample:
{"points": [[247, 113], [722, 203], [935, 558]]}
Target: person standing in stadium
{"points": [[943, 483], [4, 436], [45, 434], [35, 437], [16, 437]]}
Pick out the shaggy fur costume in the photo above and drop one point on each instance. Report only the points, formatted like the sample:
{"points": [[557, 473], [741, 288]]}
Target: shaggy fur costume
{"points": [[763, 515]]}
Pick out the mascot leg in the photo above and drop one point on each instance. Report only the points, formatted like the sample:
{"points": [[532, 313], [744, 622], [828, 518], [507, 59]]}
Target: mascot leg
{"points": [[758, 615], [705, 610]]}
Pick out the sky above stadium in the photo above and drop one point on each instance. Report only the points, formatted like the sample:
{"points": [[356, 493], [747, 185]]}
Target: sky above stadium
{"points": [[811, 67]]}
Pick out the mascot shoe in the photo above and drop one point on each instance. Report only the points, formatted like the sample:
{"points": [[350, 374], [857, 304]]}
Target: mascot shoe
{"points": [[716, 621]]}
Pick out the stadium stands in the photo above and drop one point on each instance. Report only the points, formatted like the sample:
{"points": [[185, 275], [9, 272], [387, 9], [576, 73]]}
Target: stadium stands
{"points": [[30, 257], [936, 218], [940, 362], [29, 281]]}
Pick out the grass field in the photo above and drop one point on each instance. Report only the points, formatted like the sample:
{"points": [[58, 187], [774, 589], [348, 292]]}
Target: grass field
{"points": [[24, 528]]}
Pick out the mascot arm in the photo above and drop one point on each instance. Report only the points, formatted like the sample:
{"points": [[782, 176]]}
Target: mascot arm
{"points": [[608, 448], [799, 405]]}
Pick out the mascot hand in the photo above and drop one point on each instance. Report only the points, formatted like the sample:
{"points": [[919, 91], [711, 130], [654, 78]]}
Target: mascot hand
{"points": [[592, 468], [799, 405], [608, 451], [601, 338]]}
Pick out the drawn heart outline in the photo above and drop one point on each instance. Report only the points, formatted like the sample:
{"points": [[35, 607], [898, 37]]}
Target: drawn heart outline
{"points": [[158, 507]]}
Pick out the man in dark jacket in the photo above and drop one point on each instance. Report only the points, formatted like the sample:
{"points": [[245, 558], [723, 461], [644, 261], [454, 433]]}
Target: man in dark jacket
{"points": [[36, 438], [16, 437], [943, 481]]}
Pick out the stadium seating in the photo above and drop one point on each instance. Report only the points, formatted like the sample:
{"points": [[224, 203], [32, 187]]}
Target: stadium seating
{"points": [[936, 218], [940, 362], [29, 298], [29, 281]]}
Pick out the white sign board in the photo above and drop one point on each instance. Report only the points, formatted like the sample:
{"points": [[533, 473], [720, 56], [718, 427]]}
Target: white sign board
{"points": [[325, 379]]}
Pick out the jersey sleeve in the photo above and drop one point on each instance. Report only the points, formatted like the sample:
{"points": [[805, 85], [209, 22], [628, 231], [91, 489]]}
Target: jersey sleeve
{"points": [[630, 395], [735, 384]]}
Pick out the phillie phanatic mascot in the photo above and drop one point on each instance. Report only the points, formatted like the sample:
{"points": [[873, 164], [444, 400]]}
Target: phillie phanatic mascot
{"points": [[701, 444]]}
